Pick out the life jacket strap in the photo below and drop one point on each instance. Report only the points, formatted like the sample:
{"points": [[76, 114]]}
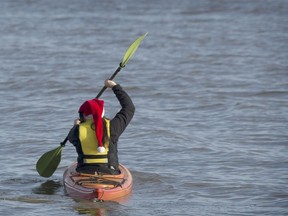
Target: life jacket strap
{"points": [[95, 159], [95, 156]]}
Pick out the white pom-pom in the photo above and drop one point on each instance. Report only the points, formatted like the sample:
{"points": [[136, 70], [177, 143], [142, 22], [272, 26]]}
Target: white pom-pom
{"points": [[101, 149]]}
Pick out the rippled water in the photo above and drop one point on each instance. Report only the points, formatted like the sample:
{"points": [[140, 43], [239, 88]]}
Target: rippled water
{"points": [[210, 86]]}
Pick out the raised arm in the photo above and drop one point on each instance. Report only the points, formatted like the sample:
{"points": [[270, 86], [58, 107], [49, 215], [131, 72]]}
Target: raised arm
{"points": [[119, 123]]}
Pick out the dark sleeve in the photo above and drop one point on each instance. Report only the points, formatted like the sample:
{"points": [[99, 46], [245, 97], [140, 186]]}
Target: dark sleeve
{"points": [[124, 116], [73, 135]]}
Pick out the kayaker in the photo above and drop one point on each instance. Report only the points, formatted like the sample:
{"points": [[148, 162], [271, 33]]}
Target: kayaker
{"points": [[95, 137]]}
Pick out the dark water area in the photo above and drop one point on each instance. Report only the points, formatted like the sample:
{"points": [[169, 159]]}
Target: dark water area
{"points": [[210, 86]]}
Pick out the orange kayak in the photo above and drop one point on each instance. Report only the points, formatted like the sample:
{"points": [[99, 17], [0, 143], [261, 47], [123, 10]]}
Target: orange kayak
{"points": [[97, 186]]}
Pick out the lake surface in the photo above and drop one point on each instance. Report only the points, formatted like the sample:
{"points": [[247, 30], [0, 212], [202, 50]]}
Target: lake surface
{"points": [[210, 86]]}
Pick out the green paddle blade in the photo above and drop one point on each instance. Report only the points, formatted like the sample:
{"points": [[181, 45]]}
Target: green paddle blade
{"points": [[132, 49], [48, 162]]}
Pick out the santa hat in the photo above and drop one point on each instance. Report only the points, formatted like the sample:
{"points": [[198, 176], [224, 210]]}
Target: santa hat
{"points": [[95, 107]]}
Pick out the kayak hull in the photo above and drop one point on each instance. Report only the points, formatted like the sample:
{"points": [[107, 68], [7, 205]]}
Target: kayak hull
{"points": [[97, 186]]}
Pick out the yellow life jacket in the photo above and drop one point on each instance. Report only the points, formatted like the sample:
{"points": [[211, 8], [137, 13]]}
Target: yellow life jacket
{"points": [[89, 143]]}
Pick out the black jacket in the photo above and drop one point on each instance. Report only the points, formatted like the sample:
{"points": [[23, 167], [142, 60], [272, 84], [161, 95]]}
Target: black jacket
{"points": [[117, 125]]}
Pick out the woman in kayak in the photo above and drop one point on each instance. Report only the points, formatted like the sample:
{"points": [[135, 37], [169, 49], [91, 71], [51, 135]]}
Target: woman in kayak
{"points": [[95, 137]]}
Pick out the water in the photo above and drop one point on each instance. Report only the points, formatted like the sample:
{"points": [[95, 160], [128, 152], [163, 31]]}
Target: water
{"points": [[210, 86]]}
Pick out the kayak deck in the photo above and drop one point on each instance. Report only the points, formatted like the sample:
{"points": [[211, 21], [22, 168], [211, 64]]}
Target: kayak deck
{"points": [[97, 186]]}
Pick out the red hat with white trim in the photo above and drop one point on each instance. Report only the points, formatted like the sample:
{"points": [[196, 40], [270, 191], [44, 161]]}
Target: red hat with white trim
{"points": [[95, 107]]}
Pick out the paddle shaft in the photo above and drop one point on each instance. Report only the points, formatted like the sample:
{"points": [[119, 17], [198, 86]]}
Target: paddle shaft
{"points": [[111, 78]]}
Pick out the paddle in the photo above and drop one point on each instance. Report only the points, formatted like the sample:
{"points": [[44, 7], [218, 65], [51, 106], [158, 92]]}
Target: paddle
{"points": [[128, 54], [49, 161]]}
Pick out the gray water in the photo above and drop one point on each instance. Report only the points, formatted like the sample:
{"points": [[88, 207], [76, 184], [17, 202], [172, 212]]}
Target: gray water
{"points": [[210, 86]]}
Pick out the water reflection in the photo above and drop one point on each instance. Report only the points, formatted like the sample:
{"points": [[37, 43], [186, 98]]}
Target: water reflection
{"points": [[49, 187], [97, 208], [91, 211]]}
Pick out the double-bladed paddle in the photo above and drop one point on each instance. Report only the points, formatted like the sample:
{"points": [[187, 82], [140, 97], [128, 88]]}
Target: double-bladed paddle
{"points": [[49, 161]]}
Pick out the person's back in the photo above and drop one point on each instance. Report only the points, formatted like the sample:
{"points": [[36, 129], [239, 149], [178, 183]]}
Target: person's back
{"points": [[96, 137]]}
